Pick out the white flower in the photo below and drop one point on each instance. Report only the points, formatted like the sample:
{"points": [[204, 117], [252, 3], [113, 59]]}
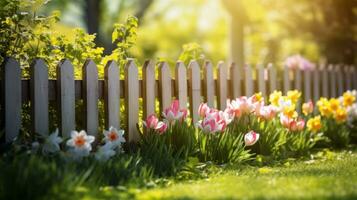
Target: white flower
{"points": [[52, 142], [251, 138], [105, 152], [80, 144], [113, 136], [34, 147]]}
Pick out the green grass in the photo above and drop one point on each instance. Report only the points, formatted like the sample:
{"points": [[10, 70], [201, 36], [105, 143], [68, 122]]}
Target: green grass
{"points": [[332, 177]]}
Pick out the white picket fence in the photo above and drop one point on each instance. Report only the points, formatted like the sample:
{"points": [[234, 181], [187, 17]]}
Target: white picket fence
{"points": [[189, 86]]}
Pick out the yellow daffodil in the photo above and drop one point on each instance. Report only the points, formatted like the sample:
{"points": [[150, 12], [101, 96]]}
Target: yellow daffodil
{"points": [[324, 107], [348, 99], [314, 124], [274, 98], [334, 104], [340, 115], [258, 97], [293, 96], [290, 112]]}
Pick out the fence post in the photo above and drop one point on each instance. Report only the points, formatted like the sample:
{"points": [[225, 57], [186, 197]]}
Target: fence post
{"points": [[340, 88], [66, 97], [354, 74], [132, 100], [181, 84], [11, 98], [332, 75], [164, 86], [286, 79], [39, 97], [112, 95], [325, 81], [261, 80], [195, 89], [249, 85], [272, 78], [148, 88], [90, 96], [222, 85], [316, 82], [235, 73], [208, 83], [307, 85]]}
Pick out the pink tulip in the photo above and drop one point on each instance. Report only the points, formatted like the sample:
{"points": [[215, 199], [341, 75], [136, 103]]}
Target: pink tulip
{"points": [[174, 112], [151, 121], [214, 121], [203, 109], [267, 112], [292, 124], [251, 138], [161, 127]]}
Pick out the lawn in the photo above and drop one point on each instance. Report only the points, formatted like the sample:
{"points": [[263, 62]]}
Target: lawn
{"points": [[331, 175]]}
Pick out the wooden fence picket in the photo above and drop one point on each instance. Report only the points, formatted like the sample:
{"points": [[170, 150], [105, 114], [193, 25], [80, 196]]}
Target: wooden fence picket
{"points": [[287, 86], [39, 97], [249, 84], [90, 96], [222, 85], [272, 78], [148, 88], [11, 98], [164, 86], [132, 100], [316, 83], [261, 80], [181, 84], [298, 79], [236, 79], [66, 97], [354, 75], [112, 95], [208, 83], [307, 86], [339, 76], [332, 78], [195, 89], [325, 81]]}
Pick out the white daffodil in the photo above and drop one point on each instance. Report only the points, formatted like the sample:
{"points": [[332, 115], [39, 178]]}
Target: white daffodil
{"points": [[80, 144], [52, 142], [105, 152], [113, 136]]}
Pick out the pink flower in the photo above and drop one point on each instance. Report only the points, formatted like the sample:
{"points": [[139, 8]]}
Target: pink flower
{"points": [[292, 124], [214, 121], [174, 112], [203, 109], [151, 121], [251, 138], [241, 106], [298, 62], [267, 112]]}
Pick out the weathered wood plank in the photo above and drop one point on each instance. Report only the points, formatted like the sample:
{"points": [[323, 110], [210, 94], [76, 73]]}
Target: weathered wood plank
{"points": [[261, 80], [272, 78], [332, 77], [132, 100], [181, 84], [164, 86], [112, 95], [148, 88], [208, 83], [222, 85], [316, 82], [195, 89], [236, 78], [66, 97], [339, 76], [39, 97], [11, 98], [325, 81], [90, 88], [287, 85], [249, 84], [307, 86]]}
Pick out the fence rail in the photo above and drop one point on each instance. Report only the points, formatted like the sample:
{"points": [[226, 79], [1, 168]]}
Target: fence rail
{"points": [[189, 85]]}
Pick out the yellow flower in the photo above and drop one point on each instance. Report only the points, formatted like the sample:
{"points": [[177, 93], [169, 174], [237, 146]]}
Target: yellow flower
{"points": [[307, 108], [348, 99], [324, 107], [293, 96], [258, 97], [334, 104], [340, 115], [290, 112], [274, 98], [314, 124]]}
